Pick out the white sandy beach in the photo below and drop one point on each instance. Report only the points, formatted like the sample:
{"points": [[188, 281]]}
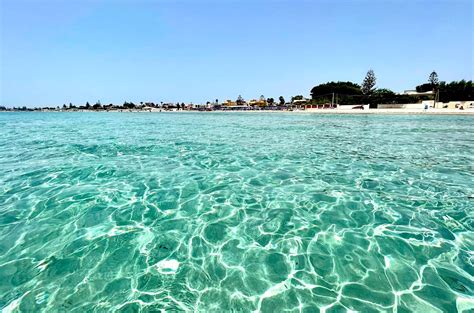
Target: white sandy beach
{"points": [[393, 111], [344, 111], [312, 111]]}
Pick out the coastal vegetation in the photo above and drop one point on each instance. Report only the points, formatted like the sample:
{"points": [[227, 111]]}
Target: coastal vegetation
{"points": [[368, 85], [327, 94], [456, 90], [349, 93]]}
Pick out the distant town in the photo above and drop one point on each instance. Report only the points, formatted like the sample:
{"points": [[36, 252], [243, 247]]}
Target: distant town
{"points": [[434, 94]]}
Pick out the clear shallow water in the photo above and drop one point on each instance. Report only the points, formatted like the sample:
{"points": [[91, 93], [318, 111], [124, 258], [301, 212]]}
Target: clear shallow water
{"points": [[219, 212]]}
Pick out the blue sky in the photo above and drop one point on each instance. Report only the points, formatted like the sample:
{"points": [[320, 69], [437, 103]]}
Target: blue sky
{"points": [[55, 52]]}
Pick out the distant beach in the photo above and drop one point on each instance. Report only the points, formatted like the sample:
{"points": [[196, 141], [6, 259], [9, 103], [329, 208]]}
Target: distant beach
{"points": [[307, 111]]}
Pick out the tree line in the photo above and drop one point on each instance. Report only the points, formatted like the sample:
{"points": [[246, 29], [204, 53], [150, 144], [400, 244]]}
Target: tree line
{"points": [[349, 93], [340, 92]]}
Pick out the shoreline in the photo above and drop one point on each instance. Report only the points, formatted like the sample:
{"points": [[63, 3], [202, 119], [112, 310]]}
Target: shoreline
{"points": [[307, 111], [335, 111]]}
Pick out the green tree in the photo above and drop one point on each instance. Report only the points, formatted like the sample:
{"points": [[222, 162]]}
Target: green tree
{"points": [[433, 79], [240, 100], [379, 96], [298, 97], [97, 106], [128, 105], [345, 93], [456, 91], [383, 92], [341, 88], [424, 87], [369, 82], [282, 100], [88, 106], [270, 101]]}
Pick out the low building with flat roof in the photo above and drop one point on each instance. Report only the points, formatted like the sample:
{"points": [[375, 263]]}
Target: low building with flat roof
{"points": [[416, 93]]}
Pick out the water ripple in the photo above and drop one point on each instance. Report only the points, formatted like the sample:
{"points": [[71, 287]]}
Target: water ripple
{"points": [[236, 212]]}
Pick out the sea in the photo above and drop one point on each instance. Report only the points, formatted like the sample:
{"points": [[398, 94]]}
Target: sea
{"points": [[236, 212]]}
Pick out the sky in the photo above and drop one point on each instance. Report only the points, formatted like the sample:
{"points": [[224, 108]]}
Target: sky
{"points": [[58, 51]]}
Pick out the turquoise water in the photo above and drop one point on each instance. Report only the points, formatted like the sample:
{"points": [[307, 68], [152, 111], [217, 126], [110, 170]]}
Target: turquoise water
{"points": [[218, 212]]}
